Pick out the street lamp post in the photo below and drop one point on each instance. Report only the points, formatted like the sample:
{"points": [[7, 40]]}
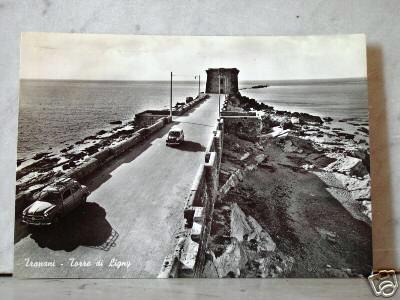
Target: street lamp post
{"points": [[170, 99], [195, 77], [219, 95]]}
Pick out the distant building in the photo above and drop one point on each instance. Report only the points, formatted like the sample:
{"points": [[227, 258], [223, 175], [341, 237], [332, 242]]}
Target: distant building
{"points": [[224, 79]]}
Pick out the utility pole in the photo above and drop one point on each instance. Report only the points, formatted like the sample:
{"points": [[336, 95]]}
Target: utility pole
{"points": [[170, 100], [225, 86], [199, 81], [219, 94]]}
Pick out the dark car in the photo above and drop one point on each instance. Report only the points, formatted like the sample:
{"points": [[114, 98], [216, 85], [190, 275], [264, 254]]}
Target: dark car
{"points": [[175, 136], [54, 202]]}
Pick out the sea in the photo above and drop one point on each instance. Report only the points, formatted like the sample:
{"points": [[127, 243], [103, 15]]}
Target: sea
{"points": [[56, 113]]}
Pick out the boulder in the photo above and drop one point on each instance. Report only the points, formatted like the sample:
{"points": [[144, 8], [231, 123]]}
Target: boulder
{"points": [[348, 165]]}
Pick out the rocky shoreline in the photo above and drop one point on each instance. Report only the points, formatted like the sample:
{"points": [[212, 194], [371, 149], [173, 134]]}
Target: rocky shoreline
{"points": [[295, 202], [41, 169]]}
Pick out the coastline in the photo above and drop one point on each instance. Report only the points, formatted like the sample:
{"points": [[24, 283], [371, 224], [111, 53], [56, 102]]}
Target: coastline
{"points": [[86, 155], [300, 190]]}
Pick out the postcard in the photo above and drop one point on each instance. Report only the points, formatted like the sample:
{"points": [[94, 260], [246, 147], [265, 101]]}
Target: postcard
{"points": [[193, 156]]}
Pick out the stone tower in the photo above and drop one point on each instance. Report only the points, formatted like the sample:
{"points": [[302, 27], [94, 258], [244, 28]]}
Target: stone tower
{"points": [[225, 79]]}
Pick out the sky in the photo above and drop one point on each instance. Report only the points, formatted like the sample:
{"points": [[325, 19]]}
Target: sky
{"points": [[138, 57]]}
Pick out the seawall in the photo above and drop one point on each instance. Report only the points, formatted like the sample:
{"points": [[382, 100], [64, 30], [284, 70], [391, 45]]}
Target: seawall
{"points": [[148, 124]]}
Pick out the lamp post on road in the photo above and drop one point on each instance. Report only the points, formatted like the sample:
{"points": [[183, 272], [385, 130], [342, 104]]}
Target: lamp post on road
{"points": [[195, 77], [170, 99], [219, 92], [219, 95]]}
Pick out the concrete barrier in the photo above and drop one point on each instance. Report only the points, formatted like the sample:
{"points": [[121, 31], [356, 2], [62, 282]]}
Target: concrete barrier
{"points": [[87, 167], [195, 197]]}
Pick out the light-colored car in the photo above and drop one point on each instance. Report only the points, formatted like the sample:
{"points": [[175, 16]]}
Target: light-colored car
{"points": [[175, 136], [55, 201]]}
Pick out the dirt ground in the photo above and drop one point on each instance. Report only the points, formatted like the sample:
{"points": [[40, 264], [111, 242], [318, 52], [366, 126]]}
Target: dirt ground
{"points": [[293, 205]]}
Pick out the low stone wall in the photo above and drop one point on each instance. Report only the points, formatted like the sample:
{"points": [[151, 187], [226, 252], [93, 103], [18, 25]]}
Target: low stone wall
{"points": [[238, 113], [97, 160], [149, 117], [188, 258], [247, 127]]}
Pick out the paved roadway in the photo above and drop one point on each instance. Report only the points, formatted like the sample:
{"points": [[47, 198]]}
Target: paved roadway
{"points": [[135, 208]]}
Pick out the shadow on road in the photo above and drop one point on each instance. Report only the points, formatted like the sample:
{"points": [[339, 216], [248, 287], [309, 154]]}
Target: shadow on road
{"points": [[191, 147], [86, 226], [199, 124]]}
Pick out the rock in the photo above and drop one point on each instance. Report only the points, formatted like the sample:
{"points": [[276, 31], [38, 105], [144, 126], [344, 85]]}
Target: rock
{"points": [[348, 136], [40, 155], [363, 129], [246, 227], [362, 154], [348, 165], [360, 189], [362, 141], [260, 158], [295, 120], [307, 167], [288, 147], [367, 208], [245, 156], [307, 118], [232, 261], [251, 167], [259, 147], [20, 161], [236, 147], [269, 121], [116, 122], [269, 166], [327, 119], [327, 235]]}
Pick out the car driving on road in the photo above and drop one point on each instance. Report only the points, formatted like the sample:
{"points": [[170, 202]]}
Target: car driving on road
{"points": [[55, 201], [175, 136]]}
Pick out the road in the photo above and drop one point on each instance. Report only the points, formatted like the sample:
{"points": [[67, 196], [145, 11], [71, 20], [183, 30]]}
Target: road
{"points": [[133, 213]]}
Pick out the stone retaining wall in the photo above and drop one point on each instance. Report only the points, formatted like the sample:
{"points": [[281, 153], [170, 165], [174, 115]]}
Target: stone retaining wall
{"points": [[111, 152], [189, 255], [247, 127]]}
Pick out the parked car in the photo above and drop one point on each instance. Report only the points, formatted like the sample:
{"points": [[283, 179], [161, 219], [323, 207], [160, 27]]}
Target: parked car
{"points": [[175, 136], [55, 201]]}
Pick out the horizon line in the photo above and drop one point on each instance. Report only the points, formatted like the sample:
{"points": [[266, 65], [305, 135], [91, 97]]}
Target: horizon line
{"points": [[144, 80]]}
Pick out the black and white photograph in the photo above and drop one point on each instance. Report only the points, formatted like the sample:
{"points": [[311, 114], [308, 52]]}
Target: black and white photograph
{"points": [[146, 156]]}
